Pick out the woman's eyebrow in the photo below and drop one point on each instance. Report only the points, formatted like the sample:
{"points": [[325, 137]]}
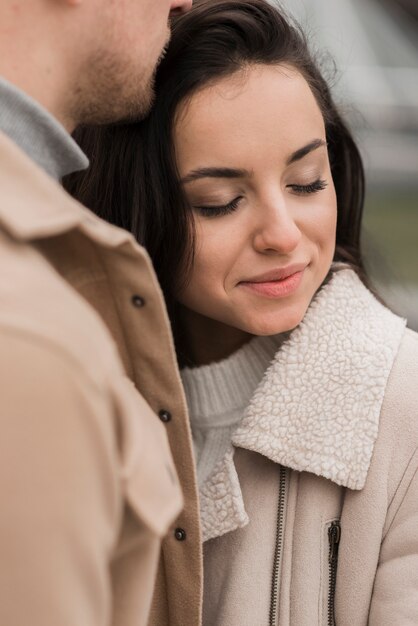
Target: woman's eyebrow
{"points": [[226, 172], [214, 172], [302, 152]]}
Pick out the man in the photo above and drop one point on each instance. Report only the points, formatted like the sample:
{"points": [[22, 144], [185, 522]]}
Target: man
{"points": [[87, 480]]}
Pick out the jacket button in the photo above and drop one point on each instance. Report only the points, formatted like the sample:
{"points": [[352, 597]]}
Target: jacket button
{"points": [[165, 416], [138, 301], [180, 534]]}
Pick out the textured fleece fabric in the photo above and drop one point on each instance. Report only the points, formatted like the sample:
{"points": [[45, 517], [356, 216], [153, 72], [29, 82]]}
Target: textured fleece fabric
{"points": [[317, 407], [217, 396], [353, 365]]}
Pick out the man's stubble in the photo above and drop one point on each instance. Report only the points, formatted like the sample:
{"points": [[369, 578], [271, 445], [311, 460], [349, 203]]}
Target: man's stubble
{"points": [[111, 91]]}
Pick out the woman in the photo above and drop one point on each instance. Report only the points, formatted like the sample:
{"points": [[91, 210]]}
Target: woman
{"points": [[246, 187]]}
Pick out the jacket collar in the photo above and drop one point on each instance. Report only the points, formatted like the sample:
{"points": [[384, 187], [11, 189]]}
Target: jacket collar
{"points": [[318, 406], [34, 206]]}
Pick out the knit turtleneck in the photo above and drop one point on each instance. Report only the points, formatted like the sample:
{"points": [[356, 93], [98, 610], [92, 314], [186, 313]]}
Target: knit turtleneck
{"points": [[218, 394]]}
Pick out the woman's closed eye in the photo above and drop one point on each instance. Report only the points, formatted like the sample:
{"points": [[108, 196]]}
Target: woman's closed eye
{"points": [[216, 210], [314, 187]]}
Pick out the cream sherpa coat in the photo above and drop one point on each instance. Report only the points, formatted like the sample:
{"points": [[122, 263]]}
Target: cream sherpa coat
{"points": [[321, 486]]}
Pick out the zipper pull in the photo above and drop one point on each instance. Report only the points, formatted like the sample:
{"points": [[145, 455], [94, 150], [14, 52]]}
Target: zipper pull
{"points": [[334, 535]]}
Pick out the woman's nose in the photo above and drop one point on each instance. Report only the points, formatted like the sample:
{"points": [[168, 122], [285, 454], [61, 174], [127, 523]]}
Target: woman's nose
{"points": [[277, 232]]}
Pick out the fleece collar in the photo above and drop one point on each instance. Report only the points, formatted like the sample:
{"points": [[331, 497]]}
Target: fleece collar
{"points": [[318, 406]]}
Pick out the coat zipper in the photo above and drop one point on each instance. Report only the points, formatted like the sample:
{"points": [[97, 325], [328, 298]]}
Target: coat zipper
{"points": [[278, 548], [334, 535]]}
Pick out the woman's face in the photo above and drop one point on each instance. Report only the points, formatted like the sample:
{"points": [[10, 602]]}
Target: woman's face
{"points": [[252, 156]]}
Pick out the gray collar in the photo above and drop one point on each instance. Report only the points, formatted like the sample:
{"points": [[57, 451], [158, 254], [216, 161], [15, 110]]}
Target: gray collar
{"points": [[38, 133]]}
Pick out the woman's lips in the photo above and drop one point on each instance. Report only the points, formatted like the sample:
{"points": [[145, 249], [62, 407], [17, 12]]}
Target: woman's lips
{"points": [[275, 288]]}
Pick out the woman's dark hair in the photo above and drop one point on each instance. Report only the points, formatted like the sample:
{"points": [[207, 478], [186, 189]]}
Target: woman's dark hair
{"points": [[133, 181]]}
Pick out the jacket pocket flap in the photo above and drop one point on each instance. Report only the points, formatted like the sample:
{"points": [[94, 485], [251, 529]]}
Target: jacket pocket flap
{"points": [[149, 477]]}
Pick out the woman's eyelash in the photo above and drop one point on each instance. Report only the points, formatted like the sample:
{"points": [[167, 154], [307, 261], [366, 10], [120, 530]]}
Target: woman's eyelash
{"points": [[224, 209], [213, 211], [317, 185]]}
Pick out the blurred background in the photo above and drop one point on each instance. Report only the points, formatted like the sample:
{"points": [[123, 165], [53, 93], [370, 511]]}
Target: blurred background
{"points": [[374, 44]]}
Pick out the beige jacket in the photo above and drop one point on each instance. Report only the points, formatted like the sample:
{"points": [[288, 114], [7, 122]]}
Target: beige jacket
{"points": [[87, 481], [314, 519], [89, 488]]}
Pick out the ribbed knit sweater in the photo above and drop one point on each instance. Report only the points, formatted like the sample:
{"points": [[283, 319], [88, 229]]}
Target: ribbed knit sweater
{"points": [[217, 396]]}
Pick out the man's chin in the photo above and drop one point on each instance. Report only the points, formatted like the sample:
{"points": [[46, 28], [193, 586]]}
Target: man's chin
{"points": [[145, 101], [119, 93], [137, 112], [138, 106]]}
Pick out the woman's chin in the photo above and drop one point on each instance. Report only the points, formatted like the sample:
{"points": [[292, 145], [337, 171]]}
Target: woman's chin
{"points": [[263, 325]]}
